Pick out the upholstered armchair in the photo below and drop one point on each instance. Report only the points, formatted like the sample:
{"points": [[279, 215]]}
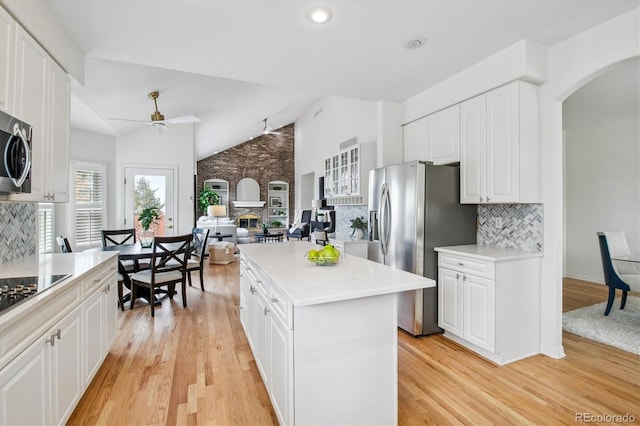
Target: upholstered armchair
{"points": [[300, 227]]}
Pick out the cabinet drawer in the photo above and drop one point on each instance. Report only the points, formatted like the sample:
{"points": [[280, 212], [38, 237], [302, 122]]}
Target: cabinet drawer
{"points": [[280, 305], [100, 276], [480, 268]]}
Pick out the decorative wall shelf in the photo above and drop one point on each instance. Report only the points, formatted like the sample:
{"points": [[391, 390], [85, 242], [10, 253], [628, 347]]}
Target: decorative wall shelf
{"points": [[248, 203]]}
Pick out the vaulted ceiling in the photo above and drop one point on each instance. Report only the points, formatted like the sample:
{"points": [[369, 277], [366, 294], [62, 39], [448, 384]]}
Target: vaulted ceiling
{"points": [[235, 62]]}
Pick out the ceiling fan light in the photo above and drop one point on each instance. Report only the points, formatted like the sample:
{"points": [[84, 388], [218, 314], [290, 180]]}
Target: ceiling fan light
{"points": [[319, 15]]}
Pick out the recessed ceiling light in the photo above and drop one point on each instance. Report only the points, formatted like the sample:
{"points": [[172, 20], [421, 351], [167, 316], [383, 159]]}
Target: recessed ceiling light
{"points": [[319, 15], [416, 42]]}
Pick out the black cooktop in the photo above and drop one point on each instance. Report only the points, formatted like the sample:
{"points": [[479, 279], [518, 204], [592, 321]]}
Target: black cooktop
{"points": [[16, 290]]}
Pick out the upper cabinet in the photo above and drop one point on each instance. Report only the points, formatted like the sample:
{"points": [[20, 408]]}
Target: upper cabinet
{"points": [[499, 148], [434, 138], [41, 97], [346, 173], [7, 41]]}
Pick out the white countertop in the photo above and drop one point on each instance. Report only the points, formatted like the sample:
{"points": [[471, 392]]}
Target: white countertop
{"points": [[495, 254], [76, 264], [308, 284], [54, 264]]}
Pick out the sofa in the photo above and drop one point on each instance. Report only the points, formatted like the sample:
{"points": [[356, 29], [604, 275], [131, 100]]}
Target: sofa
{"points": [[225, 226]]}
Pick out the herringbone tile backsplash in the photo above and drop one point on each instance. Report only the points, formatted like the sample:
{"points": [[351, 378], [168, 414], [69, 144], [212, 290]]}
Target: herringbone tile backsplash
{"points": [[522, 226], [17, 230]]}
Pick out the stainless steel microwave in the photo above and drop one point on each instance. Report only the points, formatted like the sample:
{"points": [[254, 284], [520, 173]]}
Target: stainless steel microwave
{"points": [[15, 148]]}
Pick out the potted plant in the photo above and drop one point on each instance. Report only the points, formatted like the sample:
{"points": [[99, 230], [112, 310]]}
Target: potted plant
{"points": [[147, 217], [265, 227], [208, 197], [359, 226], [277, 224]]}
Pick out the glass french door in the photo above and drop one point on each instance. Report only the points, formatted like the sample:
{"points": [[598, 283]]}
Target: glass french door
{"points": [[150, 187]]}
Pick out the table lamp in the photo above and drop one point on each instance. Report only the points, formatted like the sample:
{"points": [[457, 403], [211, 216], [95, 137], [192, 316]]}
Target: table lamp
{"points": [[218, 211], [316, 204]]}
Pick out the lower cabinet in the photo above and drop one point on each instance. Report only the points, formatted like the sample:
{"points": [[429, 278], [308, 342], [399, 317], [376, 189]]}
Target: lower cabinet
{"points": [[492, 307], [44, 382]]}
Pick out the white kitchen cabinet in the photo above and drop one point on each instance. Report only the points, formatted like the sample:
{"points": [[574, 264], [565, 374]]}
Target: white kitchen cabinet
{"points": [[7, 76], [434, 138], [415, 141], [41, 98], [349, 173], [44, 383], [100, 320], [499, 146], [488, 300]]}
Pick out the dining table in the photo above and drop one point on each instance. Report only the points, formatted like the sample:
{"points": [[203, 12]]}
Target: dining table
{"points": [[136, 253], [632, 258]]}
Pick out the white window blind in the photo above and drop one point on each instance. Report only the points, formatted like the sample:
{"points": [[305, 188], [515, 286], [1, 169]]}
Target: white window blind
{"points": [[46, 221], [89, 197]]}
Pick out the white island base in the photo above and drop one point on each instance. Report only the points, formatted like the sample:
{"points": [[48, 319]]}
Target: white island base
{"points": [[324, 338]]}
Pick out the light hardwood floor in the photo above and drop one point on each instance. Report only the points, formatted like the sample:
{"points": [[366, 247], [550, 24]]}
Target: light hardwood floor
{"points": [[194, 366]]}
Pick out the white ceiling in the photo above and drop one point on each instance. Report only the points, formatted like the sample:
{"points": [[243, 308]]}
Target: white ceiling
{"points": [[234, 62]]}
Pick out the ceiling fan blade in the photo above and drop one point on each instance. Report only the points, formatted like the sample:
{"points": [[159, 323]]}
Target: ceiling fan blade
{"points": [[183, 120], [126, 119]]}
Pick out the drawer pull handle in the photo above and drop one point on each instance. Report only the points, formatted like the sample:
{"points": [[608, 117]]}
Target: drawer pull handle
{"points": [[266, 310], [274, 300], [97, 280], [457, 276], [252, 289], [460, 264], [464, 278], [241, 275]]}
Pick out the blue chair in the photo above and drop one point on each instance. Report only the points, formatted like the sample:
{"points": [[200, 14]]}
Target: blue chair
{"points": [[303, 232], [613, 244]]}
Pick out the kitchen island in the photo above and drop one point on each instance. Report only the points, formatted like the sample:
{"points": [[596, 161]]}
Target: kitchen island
{"points": [[324, 337], [53, 343]]}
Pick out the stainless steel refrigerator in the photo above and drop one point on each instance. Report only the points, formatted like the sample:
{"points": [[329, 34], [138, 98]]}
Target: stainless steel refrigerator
{"points": [[414, 207]]}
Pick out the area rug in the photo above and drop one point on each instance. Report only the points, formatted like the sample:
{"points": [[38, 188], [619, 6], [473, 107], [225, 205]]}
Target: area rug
{"points": [[621, 328]]}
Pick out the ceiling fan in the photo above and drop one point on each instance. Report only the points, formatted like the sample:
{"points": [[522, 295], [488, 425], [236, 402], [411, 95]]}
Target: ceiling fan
{"points": [[158, 120], [268, 130]]}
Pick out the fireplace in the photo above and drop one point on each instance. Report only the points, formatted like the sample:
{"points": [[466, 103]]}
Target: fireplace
{"points": [[248, 221]]}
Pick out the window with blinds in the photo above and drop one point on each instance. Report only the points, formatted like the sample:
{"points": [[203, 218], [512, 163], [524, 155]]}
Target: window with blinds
{"points": [[46, 221], [89, 197]]}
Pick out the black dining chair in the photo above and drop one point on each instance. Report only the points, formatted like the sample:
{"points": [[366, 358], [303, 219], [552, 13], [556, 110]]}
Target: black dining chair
{"points": [[63, 243], [116, 237], [613, 244], [168, 268], [195, 261]]}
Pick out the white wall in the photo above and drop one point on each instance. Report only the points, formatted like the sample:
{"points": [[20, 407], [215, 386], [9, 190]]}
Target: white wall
{"points": [[173, 148], [95, 148], [602, 167], [571, 64], [323, 126]]}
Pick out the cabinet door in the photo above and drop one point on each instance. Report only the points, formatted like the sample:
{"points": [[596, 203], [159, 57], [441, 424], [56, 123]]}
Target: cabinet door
{"points": [[502, 145], [261, 341], [443, 136], [479, 311], [67, 382], [110, 300], [7, 34], [354, 170], [450, 301], [415, 140], [25, 387], [93, 319], [30, 102], [281, 369], [472, 150], [327, 178], [58, 144]]}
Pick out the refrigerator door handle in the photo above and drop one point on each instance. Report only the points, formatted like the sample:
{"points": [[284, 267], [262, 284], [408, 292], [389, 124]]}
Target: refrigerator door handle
{"points": [[385, 219]]}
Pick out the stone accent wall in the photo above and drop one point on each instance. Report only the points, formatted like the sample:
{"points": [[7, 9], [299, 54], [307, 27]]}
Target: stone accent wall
{"points": [[265, 159], [18, 230]]}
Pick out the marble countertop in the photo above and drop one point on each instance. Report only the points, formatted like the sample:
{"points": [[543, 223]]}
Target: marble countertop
{"points": [[308, 284], [495, 254]]}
